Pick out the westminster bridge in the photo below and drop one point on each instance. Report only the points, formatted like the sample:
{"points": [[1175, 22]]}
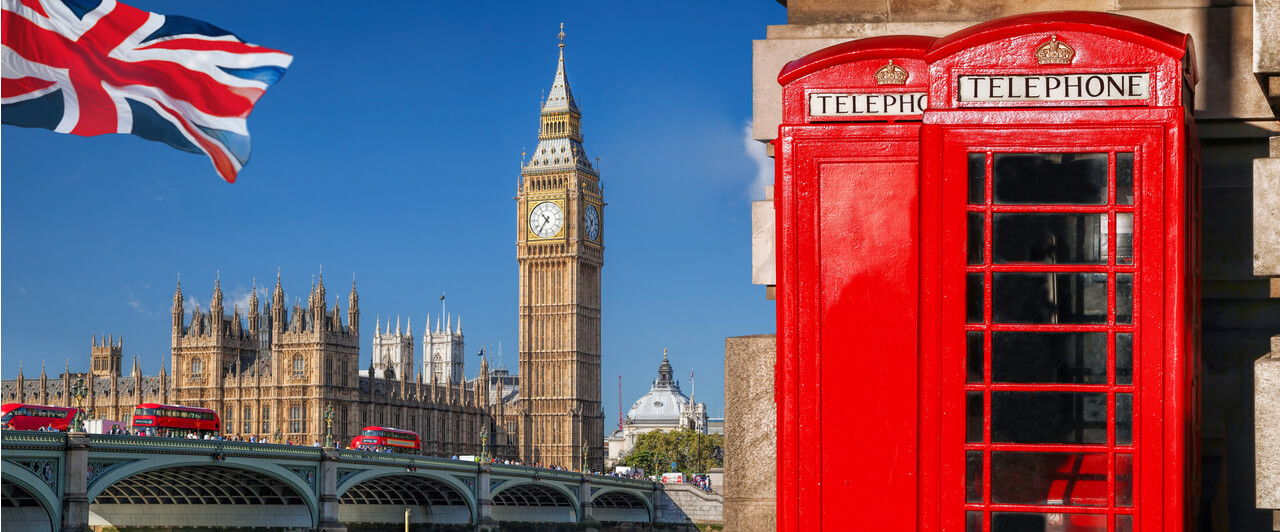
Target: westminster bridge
{"points": [[59, 481]]}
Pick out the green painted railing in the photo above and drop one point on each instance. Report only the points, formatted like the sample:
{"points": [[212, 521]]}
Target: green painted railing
{"points": [[30, 439], [138, 444]]}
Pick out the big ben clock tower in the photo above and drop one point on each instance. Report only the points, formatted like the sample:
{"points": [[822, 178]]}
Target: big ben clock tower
{"points": [[560, 249]]}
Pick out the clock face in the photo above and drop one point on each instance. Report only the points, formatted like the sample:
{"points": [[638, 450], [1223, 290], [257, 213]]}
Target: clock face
{"points": [[593, 222], [546, 219]]}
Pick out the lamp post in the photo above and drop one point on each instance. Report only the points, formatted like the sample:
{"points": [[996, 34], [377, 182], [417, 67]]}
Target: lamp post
{"points": [[328, 422], [584, 456], [278, 435], [484, 445], [78, 392]]}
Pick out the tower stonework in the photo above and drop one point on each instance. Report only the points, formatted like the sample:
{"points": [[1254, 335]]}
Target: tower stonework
{"points": [[106, 356], [560, 251]]}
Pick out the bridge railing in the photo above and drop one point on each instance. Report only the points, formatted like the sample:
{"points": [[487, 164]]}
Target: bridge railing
{"points": [[152, 444], [30, 439]]}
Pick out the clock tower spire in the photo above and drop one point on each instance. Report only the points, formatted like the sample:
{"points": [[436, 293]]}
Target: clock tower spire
{"points": [[560, 251]]}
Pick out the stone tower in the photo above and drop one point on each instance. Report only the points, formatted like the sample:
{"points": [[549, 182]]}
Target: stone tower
{"points": [[393, 351], [106, 356], [560, 251], [443, 351]]}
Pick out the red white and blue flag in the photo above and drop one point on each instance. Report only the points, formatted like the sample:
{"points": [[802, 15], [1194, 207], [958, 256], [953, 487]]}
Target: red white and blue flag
{"points": [[93, 67]]}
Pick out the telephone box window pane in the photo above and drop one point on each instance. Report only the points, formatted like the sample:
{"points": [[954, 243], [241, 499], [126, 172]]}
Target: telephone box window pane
{"points": [[973, 299], [1124, 419], [1049, 357], [1049, 298], [1017, 522], [1050, 178], [977, 178], [1124, 523], [973, 476], [1124, 298], [1048, 417], [973, 418], [976, 220], [973, 341], [1124, 480], [1124, 238], [1049, 238], [1124, 179], [973, 522], [1059, 479], [1124, 358]]}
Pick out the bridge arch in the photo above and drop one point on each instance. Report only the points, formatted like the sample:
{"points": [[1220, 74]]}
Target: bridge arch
{"points": [[145, 493], [535, 501], [620, 505], [21, 488], [382, 496]]}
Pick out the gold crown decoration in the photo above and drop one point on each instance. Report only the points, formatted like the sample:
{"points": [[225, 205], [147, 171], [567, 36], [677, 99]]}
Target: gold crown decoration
{"points": [[1055, 52], [891, 74]]}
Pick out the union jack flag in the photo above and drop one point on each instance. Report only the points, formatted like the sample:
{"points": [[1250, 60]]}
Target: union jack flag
{"points": [[92, 67]]}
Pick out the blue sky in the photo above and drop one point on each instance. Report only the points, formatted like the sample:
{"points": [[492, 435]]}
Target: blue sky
{"points": [[391, 150]]}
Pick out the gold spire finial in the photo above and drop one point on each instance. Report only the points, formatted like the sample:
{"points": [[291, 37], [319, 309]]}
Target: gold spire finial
{"points": [[561, 35]]}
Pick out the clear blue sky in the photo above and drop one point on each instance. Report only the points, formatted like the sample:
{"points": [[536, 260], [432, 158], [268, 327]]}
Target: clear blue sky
{"points": [[391, 150]]}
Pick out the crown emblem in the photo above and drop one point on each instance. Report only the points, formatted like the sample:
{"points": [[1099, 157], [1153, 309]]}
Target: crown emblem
{"points": [[891, 74], [1054, 52]]}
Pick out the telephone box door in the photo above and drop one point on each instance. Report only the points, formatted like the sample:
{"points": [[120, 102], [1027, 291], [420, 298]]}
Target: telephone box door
{"points": [[1054, 357]]}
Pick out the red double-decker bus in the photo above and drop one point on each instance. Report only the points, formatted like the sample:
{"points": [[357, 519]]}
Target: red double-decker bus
{"points": [[34, 417], [379, 438], [172, 420]]}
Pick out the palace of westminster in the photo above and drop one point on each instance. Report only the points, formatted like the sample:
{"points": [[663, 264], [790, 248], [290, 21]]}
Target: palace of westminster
{"points": [[275, 371]]}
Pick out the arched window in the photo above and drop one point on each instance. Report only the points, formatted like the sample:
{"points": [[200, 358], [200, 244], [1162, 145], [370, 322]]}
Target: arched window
{"points": [[197, 368], [297, 365]]}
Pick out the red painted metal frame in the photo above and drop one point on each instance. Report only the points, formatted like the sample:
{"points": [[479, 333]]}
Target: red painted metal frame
{"points": [[871, 290]]}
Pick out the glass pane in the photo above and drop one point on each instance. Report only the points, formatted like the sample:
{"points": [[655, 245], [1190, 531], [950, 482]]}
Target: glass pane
{"points": [[1124, 523], [973, 522], [1045, 238], [973, 476], [1049, 357], [1050, 178], [1049, 298], [1124, 179], [973, 299], [1048, 417], [973, 418], [976, 220], [1124, 480], [1124, 298], [977, 178], [1060, 479], [1017, 522], [973, 341], [1124, 419], [1124, 238], [1124, 358]]}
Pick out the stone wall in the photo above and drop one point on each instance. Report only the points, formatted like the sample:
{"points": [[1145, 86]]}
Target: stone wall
{"points": [[685, 503], [750, 433]]}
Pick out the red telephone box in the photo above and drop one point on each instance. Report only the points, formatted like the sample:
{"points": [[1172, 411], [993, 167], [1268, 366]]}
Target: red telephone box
{"points": [[990, 321]]}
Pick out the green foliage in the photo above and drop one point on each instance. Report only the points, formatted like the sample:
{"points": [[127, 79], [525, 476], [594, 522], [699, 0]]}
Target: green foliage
{"points": [[693, 452]]}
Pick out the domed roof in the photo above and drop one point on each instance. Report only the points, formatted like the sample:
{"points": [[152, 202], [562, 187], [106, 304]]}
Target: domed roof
{"points": [[661, 406]]}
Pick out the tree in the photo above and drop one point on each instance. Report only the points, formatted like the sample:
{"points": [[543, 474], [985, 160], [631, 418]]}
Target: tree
{"points": [[692, 452]]}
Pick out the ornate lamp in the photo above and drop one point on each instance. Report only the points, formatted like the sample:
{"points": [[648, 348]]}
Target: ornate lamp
{"points": [[78, 392], [328, 422]]}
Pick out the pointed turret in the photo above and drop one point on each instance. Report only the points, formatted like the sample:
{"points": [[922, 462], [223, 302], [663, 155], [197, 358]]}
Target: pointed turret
{"points": [[177, 310], [279, 317], [353, 309], [254, 318]]}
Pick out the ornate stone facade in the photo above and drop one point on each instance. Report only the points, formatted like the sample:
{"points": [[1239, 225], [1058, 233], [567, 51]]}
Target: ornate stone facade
{"points": [[309, 362], [560, 250]]}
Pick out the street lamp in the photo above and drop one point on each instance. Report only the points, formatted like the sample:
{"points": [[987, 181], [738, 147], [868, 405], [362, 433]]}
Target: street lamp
{"points": [[278, 435], [78, 391], [484, 444], [328, 422]]}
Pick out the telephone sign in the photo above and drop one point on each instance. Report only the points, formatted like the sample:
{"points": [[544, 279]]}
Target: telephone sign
{"points": [[988, 313]]}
